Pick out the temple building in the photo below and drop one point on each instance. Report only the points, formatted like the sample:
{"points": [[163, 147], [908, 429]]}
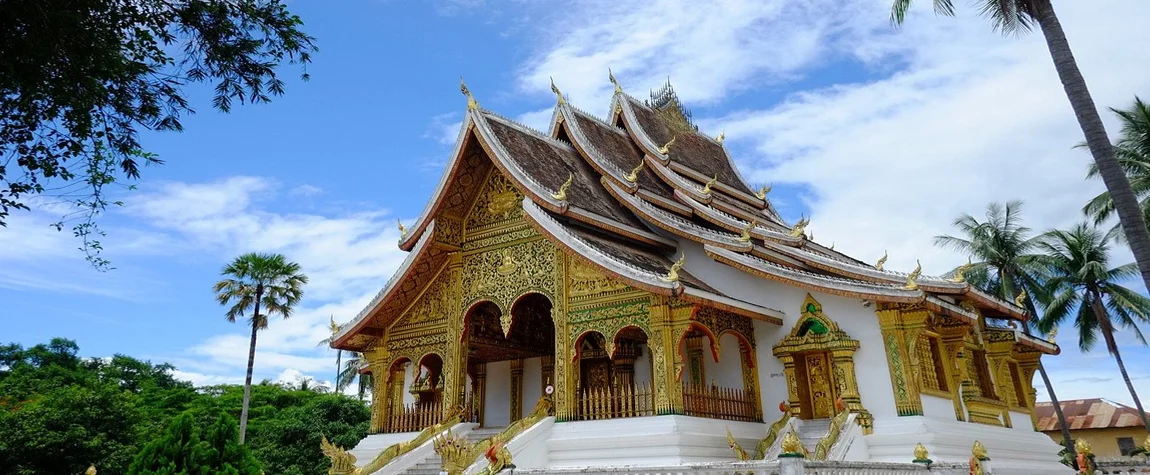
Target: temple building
{"points": [[613, 292]]}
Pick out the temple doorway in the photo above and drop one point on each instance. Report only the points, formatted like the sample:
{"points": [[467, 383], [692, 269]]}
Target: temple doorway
{"points": [[510, 361], [614, 376], [816, 382]]}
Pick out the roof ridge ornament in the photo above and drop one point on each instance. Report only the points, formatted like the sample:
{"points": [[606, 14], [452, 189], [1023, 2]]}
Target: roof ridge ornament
{"points": [[673, 274], [911, 278], [1052, 335], [1020, 300], [960, 273], [721, 137], [402, 229], [763, 190], [472, 104], [666, 148], [709, 184], [746, 235], [558, 94], [561, 195], [800, 228], [611, 76], [634, 175], [881, 261]]}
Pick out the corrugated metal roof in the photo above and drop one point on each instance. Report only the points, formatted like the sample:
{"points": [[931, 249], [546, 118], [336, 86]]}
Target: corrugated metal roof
{"points": [[1095, 413]]}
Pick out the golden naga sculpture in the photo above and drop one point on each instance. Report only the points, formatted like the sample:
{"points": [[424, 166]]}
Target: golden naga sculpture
{"points": [[402, 229], [498, 458], [342, 462], [977, 456], [740, 454], [396, 450], [920, 454], [634, 175], [763, 190], [709, 184], [823, 448], [1020, 300], [746, 234], [911, 279], [455, 452], [558, 95], [721, 137], [561, 195], [666, 148], [882, 260], [800, 228], [773, 432], [91, 470], [614, 82], [673, 274], [960, 272], [792, 446], [472, 104]]}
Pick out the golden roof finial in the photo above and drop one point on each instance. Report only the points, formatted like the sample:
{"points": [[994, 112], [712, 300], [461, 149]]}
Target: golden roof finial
{"points": [[911, 284], [1020, 299], [402, 229], [746, 235], [979, 451], [666, 148], [832, 246], [920, 453], [334, 327], [721, 137], [763, 190], [709, 184], [634, 175], [960, 273], [561, 195], [800, 228], [1054, 334], [611, 76], [558, 94], [472, 104], [91, 470], [673, 274], [882, 260]]}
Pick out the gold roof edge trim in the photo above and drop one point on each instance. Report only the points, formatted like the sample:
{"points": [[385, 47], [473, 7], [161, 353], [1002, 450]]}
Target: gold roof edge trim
{"points": [[416, 230], [589, 151], [677, 225]]}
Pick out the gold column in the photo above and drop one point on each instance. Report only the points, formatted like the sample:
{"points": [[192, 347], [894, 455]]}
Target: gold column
{"points": [[380, 409], [564, 377], [455, 363], [751, 379], [793, 402], [1027, 366], [906, 395], [516, 390], [843, 365], [665, 359], [694, 360], [952, 342]]}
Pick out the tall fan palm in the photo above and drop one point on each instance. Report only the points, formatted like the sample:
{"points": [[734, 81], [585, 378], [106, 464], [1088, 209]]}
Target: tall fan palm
{"points": [[1087, 291], [334, 328], [1003, 263], [258, 285], [1133, 152], [1019, 16], [351, 374]]}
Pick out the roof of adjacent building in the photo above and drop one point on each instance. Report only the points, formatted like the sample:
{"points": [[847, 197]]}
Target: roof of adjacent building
{"points": [[611, 191], [1095, 413]]}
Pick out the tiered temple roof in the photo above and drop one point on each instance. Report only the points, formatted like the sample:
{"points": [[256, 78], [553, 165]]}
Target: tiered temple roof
{"points": [[611, 191]]}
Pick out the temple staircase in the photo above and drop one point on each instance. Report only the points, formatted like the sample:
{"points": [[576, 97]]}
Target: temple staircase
{"points": [[811, 431], [432, 465]]}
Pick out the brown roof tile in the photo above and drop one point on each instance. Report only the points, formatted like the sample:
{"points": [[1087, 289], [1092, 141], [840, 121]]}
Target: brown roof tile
{"points": [[1095, 413], [620, 151]]}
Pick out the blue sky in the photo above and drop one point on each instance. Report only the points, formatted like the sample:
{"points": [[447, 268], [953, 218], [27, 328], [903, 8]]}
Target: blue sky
{"points": [[881, 135]]}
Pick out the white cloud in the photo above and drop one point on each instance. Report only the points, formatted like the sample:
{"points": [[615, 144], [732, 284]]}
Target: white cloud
{"points": [[306, 190]]}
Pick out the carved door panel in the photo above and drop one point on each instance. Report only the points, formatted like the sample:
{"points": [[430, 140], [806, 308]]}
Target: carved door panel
{"points": [[820, 385], [596, 373]]}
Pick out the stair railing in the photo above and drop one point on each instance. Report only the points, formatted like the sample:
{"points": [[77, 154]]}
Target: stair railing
{"points": [[824, 446], [396, 450], [459, 459]]}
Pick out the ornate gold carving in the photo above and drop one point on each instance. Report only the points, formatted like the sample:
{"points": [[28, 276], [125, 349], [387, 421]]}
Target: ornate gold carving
{"points": [[882, 260], [800, 228], [673, 274], [666, 148], [823, 448], [1020, 300], [722, 136], [1052, 335], [395, 450], [472, 104], [558, 94], [745, 236], [455, 453], [792, 446], [584, 281], [402, 229], [498, 202], [561, 195], [910, 278], [342, 462], [707, 186], [960, 273], [763, 191], [502, 275], [433, 305], [614, 82], [920, 454], [979, 451], [772, 433], [634, 175], [91, 470]]}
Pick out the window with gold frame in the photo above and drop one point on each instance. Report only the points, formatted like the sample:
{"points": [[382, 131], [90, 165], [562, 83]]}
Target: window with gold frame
{"points": [[1020, 392], [932, 365], [979, 369]]}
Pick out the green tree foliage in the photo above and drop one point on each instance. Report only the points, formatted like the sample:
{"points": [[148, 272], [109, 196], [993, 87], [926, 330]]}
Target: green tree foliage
{"points": [[60, 413], [1133, 151], [80, 78], [183, 451]]}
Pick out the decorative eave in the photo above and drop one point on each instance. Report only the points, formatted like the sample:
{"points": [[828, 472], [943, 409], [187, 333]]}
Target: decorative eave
{"points": [[720, 186], [675, 224], [1038, 344], [564, 118], [678, 182], [986, 300], [635, 277], [867, 273], [734, 223], [814, 282], [415, 232], [421, 250], [942, 307]]}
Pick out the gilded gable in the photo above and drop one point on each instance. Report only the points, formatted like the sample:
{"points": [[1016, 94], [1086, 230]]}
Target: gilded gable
{"points": [[498, 203]]}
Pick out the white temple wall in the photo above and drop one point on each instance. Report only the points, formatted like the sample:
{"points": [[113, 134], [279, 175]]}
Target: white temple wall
{"points": [[497, 402], [532, 383], [408, 378], [728, 371], [1021, 421], [851, 315], [643, 366], [934, 406]]}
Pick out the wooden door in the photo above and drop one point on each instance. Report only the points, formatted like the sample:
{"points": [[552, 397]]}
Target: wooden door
{"points": [[820, 385]]}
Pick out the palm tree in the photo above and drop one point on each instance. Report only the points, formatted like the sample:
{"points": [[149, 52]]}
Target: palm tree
{"points": [[334, 328], [351, 374], [1019, 16], [259, 285], [1133, 152], [1006, 266], [1086, 290]]}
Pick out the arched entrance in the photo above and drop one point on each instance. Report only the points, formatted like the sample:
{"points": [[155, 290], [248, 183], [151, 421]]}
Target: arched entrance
{"points": [[508, 371], [818, 359], [614, 375]]}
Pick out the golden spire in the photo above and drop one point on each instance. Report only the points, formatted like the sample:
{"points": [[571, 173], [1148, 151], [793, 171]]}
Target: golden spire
{"points": [[960, 273], [673, 274], [561, 195], [762, 194], [1020, 300], [472, 104], [666, 148], [558, 94], [800, 228], [920, 453], [881, 261], [634, 175], [611, 76], [1054, 334], [402, 229], [709, 184], [746, 236], [721, 137], [910, 278]]}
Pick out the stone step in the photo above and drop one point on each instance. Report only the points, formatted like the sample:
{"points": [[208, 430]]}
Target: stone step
{"points": [[433, 465]]}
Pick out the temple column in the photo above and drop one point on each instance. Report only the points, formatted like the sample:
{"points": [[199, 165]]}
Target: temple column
{"points": [[751, 379], [954, 344], [998, 345], [455, 361], [1027, 365], [906, 394], [481, 390], [793, 402], [516, 390], [380, 381], [665, 359], [843, 366]]}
